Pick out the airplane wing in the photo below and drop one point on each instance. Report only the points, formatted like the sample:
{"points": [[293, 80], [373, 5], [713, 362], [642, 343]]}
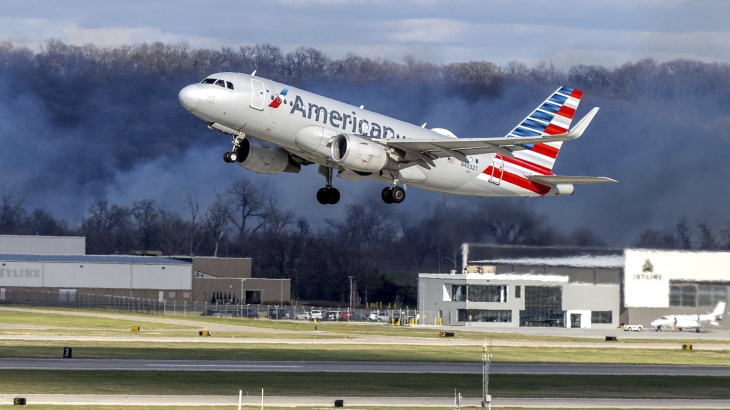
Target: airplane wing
{"points": [[425, 151]]}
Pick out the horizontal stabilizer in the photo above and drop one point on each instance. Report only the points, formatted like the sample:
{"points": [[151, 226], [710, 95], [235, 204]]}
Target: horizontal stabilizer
{"points": [[560, 179]]}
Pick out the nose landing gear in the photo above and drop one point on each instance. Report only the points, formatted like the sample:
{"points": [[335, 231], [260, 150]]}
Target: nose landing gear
{"points": [[328, 195], [393, 194], [233, 155]]}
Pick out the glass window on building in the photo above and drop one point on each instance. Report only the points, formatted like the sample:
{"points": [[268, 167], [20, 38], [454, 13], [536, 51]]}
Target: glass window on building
{"points": [[719, 294], [543, 298], [518, 291], [689, 296], [675, 296], [602, 317], [704, 295], [253, 297], [488, 293], [484, 315], [458, 293], [543, 307], [697, 294]]}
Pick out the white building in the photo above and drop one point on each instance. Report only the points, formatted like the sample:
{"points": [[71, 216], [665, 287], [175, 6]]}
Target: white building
{"points": [[574, 287]]}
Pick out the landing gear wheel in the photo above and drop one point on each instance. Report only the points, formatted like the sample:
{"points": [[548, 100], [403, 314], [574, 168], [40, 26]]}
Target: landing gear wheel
{"points": [[328, 196], [387, 195], [398, 194], [233, 155], [322, 196], [333, 196], [227, 157]]}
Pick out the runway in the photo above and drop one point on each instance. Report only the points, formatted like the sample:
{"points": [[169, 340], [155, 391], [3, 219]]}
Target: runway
{"points": [[359, 367], [293, 401]]}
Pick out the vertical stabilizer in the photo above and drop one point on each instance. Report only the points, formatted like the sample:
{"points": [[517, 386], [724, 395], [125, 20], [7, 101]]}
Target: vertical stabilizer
{"points": [[719, 310], [552, 117]]}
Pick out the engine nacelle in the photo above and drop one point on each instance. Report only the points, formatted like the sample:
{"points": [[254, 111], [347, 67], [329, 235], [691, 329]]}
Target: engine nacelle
{"points": [[265, 158], [358, 153]]}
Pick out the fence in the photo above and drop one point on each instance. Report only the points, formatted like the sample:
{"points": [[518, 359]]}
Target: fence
{"points": [[402, 317]]}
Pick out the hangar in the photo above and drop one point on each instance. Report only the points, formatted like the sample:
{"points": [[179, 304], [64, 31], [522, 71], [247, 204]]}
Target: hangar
{"points": [[36, 268], [574, 287]]}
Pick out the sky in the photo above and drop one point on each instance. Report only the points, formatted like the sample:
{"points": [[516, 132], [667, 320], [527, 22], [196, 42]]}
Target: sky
{"points": [[565, 33]]}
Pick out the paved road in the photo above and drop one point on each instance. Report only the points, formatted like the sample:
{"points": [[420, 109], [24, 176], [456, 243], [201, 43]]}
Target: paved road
{"points": [[72, 399], [359, 367]]}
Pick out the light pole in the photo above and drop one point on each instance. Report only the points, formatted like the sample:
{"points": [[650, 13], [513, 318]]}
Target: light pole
{"points": [[349, 312], [486, 359], [439, 259]]}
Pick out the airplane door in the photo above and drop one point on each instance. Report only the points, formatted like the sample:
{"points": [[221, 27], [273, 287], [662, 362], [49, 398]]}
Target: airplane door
{"points": [[258, 95], [497, 170]]}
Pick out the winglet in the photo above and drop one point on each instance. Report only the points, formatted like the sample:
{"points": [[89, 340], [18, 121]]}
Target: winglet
{"points": [[579, 128]]}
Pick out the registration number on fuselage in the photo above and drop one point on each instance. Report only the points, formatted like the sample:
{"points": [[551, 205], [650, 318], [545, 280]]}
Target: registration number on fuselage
{"points": [[469, 166]]}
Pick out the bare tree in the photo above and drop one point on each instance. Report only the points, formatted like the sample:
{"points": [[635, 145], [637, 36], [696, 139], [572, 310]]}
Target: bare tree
{"points": [[172, 232], [217, 220], [12, 212], [147, 217], [191, 199], [246, 204]]}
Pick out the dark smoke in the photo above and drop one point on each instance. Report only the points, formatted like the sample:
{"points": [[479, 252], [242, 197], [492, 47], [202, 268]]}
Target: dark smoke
{"points": [[83, 124]]}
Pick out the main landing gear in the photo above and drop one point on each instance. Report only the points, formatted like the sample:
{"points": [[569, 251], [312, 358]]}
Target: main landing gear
{"points": [[393, 194], [329, 194], [233, 155]]}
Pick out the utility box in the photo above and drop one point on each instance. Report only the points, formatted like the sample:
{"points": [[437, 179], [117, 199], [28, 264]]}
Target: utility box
{"points": [[686, 346], [204, 333], [19, 401], [611, 339], [135, 328], [339, 403], [446, 334]]}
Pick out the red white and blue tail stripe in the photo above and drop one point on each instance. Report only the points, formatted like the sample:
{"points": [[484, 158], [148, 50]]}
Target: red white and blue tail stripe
{"points": [[552, 117]]}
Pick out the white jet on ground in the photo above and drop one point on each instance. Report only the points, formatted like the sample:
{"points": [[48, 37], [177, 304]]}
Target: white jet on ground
{"points": [[277, 128], [681, 322]]}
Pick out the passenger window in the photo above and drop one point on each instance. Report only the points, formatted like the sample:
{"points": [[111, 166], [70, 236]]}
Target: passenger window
{"points": [[208, 81], [272, 98], [230, 85], [220, 83], [292, 104]]}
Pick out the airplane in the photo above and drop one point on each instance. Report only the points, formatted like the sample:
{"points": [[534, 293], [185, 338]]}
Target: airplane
{"points": [[680, 322], [278, 128]]}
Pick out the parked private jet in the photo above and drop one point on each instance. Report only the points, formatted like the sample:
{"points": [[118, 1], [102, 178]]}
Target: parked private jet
{"points": [[681, 322], [277, 128]]}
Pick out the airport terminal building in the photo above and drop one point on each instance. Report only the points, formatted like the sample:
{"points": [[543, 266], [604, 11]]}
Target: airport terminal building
{"points": [[574, 287], [33, 267]]}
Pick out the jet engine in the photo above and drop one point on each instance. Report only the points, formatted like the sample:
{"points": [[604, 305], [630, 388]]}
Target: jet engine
{"points": [[265, 158], [360, 154]]}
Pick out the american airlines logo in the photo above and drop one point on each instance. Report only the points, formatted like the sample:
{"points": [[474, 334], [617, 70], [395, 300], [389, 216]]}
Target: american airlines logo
{"points": [[20, 273], [339, 120]]}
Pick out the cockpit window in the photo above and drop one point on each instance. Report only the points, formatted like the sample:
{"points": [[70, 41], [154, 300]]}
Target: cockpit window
{"points": [[220, 83], [208, 81], [230, 85]]}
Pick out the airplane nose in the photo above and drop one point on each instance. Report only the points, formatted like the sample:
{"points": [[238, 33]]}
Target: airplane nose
{"points": [[189, 96]]}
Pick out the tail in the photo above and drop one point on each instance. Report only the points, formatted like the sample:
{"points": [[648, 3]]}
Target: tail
{"points": [[552, 117], [719, 310]]}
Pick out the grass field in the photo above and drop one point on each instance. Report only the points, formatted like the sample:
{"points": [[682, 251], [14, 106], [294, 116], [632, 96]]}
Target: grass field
{"points": [[356, 352], [295, 329], [363, 385], [78, 322]]}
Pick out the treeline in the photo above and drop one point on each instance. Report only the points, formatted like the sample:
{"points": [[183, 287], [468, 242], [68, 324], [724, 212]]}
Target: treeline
{"points": [[673, 79], [244, 221]]}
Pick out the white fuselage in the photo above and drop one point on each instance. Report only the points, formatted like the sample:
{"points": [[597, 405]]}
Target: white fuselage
{"points": [[247, 108]]}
